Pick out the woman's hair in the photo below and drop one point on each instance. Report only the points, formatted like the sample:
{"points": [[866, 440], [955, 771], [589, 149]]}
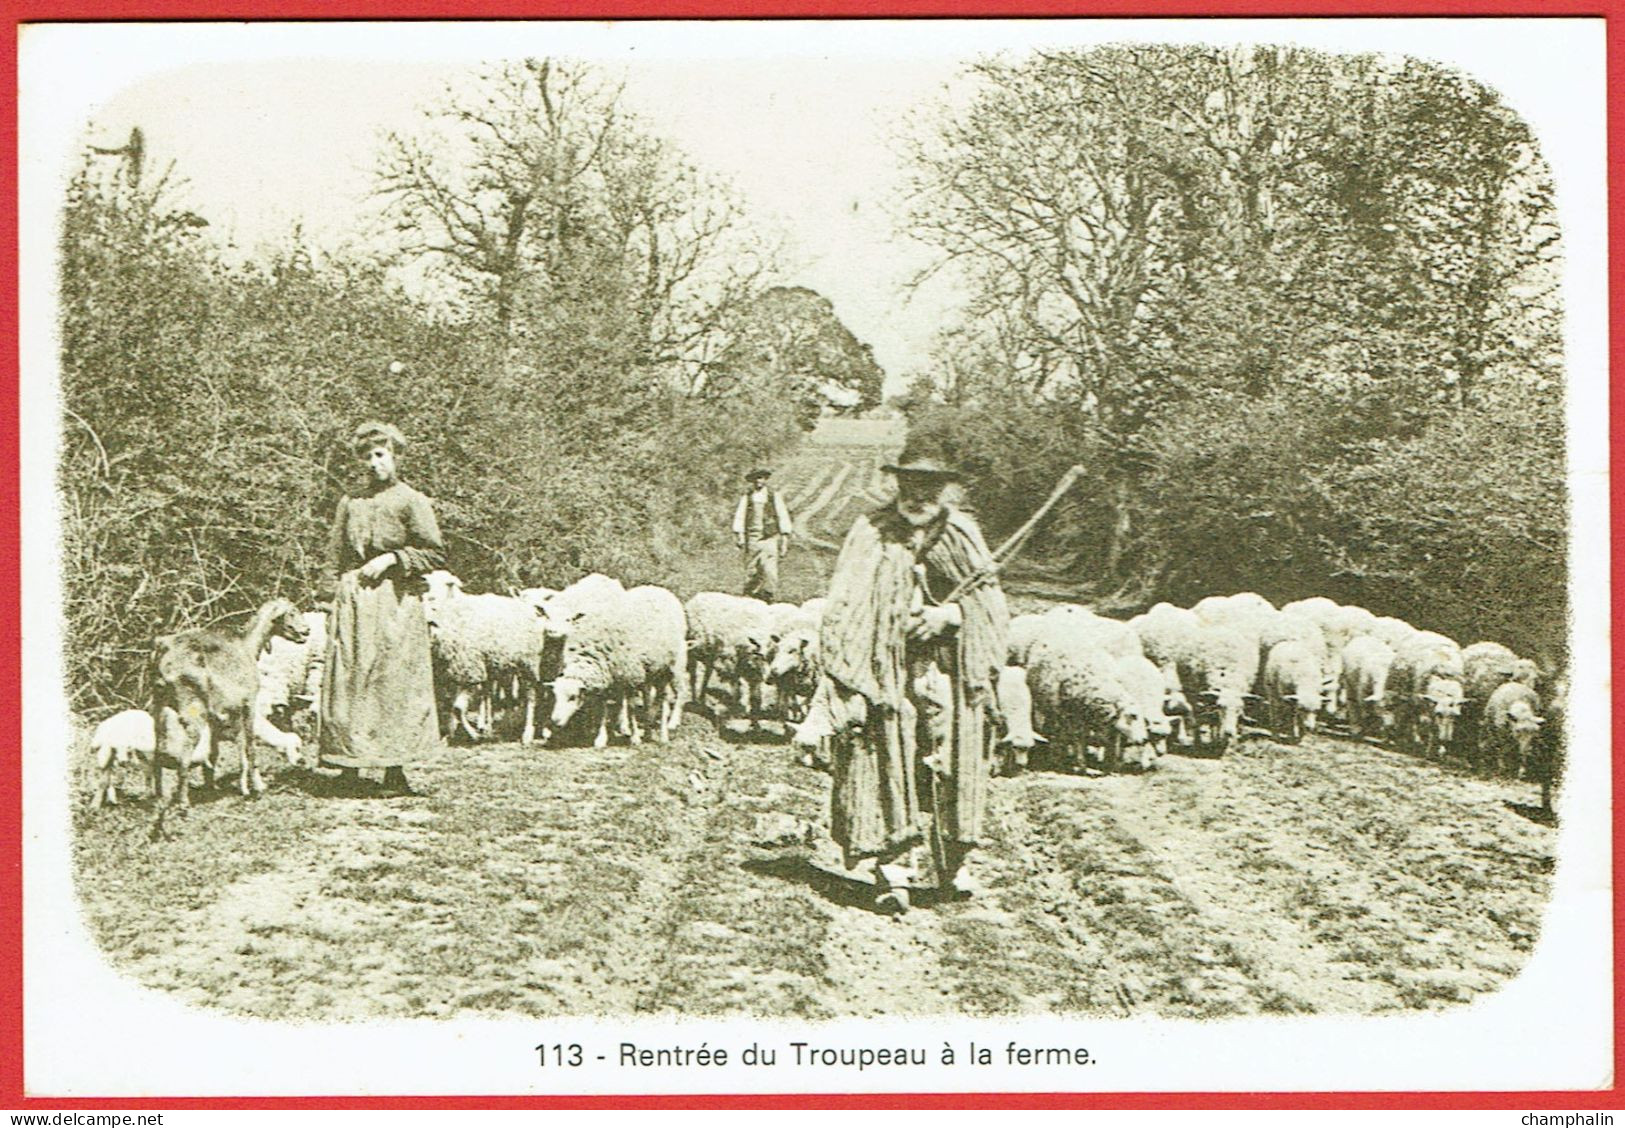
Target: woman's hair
{"points": [[372, 432]]}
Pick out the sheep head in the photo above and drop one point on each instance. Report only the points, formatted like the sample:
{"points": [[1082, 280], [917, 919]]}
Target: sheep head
{"points": [[1175, 703], [440, 584], [1229, 701], [1384, 712], [290, 748], [568, 694], [1523, 724], [557, 623], [793, 655], [1309, 693], [1443, 696], [1131, 724]]}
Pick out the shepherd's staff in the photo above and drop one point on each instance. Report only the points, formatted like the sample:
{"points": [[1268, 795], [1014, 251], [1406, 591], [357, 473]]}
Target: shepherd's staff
{"points": [[1001, 556], [1008, 550]]}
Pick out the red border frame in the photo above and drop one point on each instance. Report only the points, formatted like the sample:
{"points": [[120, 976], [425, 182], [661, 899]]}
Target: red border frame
{"points": [[17, 12]]}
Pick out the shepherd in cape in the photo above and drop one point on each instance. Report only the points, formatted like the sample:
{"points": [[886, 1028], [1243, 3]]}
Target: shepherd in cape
{"points": [[913, 637]]}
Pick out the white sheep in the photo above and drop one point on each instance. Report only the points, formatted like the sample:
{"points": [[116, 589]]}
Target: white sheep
{"points": [[290, 677], [628, 649], [1109, 636], [1511, 722], [795, 666], [1219, 676], [479, 643], [1339, 625], [1295, 626], [729, 636], [1366, 664], [1247, 614], [1143, 681], [1168, 633], [1485, 666], [1015, 702], [1293, 683], [118, 739], [1425, 687], [1076, 687], [1213, 665]]}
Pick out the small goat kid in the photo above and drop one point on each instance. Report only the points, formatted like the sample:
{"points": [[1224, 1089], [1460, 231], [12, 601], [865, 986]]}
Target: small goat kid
{"points": [[205, 683]]}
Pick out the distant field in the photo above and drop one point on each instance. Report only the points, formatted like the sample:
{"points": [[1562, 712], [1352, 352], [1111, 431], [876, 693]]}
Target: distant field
{"points": [[836, 475]]}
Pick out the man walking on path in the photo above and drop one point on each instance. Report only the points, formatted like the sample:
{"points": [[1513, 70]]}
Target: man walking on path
{"points": [[907, 693], [762, 532]]}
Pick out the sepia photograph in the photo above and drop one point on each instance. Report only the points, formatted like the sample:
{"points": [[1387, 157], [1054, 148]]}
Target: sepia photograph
{"points": [[1058, 555]]}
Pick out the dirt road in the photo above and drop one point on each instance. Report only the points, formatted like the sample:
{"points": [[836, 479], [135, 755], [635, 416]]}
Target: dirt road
{"points": [[1330, 877]]}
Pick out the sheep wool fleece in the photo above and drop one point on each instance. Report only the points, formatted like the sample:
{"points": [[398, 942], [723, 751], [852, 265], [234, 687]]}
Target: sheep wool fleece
{"points": [[873, 681], [378, 682]]}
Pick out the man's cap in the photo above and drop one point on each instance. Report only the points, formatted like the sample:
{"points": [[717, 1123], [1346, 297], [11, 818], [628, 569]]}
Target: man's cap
{"points": [[759, 472]]}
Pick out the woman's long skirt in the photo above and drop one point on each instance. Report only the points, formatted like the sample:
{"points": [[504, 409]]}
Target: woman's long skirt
{"points": [[378, 705]]}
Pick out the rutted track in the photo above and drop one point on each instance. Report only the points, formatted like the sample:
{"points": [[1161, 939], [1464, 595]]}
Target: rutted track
{"points": [[1329, 877]]}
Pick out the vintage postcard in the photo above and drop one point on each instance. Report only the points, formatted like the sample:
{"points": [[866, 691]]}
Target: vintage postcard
{"points": [[834, 556]]}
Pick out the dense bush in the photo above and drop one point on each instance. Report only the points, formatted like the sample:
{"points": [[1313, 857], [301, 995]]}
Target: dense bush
{"points": [[207, 408]]}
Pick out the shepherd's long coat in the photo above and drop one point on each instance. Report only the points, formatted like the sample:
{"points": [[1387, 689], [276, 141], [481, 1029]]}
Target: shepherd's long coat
{"points": [[883, 691]]}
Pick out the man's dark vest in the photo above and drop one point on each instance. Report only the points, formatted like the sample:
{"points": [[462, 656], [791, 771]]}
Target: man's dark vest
{"points": [[770, 515]]}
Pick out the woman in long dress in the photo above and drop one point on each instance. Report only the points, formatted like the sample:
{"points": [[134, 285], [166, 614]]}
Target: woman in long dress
{"points": [[378, 703]]}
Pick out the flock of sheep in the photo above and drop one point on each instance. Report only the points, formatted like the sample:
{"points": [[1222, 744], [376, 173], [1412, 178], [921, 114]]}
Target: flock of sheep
{"points": [[596, 649], [1098, 689], [1118, 691]]}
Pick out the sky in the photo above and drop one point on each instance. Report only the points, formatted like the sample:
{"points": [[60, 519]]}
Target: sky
{"points": [[273, 124], [262, 146]]}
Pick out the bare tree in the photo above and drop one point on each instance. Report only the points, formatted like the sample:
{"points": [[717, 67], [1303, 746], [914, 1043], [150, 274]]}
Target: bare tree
{"points": [[548, 203]]}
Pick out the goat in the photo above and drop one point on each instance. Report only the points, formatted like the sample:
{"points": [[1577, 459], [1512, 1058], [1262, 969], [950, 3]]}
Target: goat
{"points": [[205, 683]]}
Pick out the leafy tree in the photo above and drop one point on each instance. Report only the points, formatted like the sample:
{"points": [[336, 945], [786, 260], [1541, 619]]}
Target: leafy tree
{"points": [[1250, 285], [788, 338]]}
